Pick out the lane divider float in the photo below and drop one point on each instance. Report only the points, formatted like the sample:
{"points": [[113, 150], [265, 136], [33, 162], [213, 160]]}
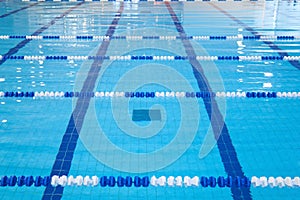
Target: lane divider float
{"points": [[171, 94], [145, 181], [153, 37], [136, 1], [151, 57]]}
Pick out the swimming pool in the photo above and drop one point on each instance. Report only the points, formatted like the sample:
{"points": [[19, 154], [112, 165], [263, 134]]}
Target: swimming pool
{"points": [[153, 100]]}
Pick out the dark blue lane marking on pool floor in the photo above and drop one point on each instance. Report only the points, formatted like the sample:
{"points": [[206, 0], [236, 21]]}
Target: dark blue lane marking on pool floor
{"points": [[227, 151], [146, 115], [62, 163], [20, 9], [22, 44], [273, 46]]}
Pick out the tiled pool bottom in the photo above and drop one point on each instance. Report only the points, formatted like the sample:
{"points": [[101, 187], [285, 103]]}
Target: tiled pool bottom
{"points": [[149, 100]]}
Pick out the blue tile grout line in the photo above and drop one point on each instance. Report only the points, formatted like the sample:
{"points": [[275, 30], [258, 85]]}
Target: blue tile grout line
{"points": [[272, 45], [22, 44], [227, 151], [62, 163], [18, 10]]}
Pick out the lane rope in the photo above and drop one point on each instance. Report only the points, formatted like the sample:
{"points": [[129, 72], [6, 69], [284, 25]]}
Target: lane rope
{"points": [[171, 94], [139, 37], [145, 181], [153, 57], [136, 1]]}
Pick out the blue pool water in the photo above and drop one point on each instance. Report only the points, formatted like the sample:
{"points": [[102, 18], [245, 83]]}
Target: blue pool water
{"points": [[151, 50]]}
